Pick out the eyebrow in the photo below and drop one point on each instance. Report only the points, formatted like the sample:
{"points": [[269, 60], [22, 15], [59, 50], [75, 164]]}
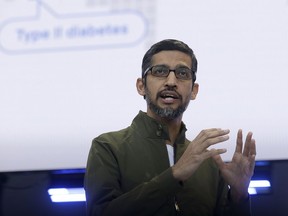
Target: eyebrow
{"points": [[177, 66]]}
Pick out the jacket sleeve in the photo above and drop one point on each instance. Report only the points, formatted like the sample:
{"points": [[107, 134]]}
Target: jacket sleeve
{"points": [[103, 187]]}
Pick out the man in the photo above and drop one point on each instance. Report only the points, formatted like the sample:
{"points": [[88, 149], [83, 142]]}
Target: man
{"points": [[150, 168]]}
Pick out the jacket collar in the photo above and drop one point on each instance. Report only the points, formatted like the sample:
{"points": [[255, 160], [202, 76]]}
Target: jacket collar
{"points": [[151, 128]]}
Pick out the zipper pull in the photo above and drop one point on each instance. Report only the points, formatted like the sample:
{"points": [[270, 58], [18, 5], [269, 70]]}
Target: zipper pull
{"points": [[176, 206]]}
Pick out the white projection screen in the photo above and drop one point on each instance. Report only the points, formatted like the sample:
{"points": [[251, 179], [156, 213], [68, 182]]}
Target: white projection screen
{"points": [[68, 73]]}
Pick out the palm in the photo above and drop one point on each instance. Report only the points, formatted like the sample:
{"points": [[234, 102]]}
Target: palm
{"points": [[239, 171]]}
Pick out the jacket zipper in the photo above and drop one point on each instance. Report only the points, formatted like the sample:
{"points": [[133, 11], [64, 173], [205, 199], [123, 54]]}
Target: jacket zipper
{"points": [[175, 200], [176, 205]]}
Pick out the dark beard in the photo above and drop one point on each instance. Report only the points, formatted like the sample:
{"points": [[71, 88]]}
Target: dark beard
{"points": [[168, 112]]}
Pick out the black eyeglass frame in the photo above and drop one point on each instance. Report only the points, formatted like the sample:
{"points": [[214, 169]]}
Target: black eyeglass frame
{"points": [[176, 74]]}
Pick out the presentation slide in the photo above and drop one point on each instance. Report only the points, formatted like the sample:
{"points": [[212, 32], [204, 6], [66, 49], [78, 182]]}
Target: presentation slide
{"points": [[68, 73]]}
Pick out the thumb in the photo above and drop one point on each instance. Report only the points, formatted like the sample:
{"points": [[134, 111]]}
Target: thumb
{"points": [[218, 160]]}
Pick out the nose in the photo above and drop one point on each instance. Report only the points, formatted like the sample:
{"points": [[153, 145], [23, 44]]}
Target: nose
{"points": [[171, 79]]}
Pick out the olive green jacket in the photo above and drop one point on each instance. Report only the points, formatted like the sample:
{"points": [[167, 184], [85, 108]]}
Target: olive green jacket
{"points": [[128, 173]]}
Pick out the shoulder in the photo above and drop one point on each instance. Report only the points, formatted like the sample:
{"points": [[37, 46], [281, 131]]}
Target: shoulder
{"points": [[114, 139], [113, 135]]}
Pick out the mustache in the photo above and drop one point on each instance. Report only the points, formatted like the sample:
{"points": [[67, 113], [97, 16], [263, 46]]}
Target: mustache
{"points": [[168, 90]]}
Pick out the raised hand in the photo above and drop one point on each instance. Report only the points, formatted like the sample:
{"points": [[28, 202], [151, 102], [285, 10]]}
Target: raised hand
{"points": [[239, 171], [197, 152]]}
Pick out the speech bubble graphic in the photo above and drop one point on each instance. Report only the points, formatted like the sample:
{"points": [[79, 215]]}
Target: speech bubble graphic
{"points": [[48, 31]]}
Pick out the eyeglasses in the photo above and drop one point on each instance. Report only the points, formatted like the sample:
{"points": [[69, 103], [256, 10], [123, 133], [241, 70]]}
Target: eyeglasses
{"points": [[182, 73]]}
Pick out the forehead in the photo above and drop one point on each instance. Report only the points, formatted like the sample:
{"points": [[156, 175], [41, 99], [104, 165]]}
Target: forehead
{"points": [[172, 58]]}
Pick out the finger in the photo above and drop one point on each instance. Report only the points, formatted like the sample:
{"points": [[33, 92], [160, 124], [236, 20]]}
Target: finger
{"points": [[218, 160], [212, 132], [252, 147], [216, 140], [248, 144], [239, 142], [252, 158], [212, 136], [216, 132], [213, 153]]}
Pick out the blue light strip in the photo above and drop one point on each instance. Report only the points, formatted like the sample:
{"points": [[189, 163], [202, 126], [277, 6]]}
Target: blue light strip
{"points": [[259, 183], [78, 194], [259, 187], [67, 194]]}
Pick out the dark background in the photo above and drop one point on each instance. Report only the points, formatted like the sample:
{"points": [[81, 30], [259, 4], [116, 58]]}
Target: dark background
{"points": [[25, 193]]}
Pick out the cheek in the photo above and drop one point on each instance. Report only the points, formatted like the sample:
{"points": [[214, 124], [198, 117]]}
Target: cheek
{"points": [[152, 88], [149, 92], [188, 97], [187, 91]]}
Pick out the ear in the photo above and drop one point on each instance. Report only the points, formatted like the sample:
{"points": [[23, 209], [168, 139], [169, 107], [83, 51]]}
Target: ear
{"points": [[194, 91], [140, 87]]}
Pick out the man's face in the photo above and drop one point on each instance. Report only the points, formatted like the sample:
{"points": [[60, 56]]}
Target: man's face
{"points": [[168, 97]]}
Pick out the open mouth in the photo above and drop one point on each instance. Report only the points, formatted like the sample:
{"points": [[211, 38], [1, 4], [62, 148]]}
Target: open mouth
{"points": [[169, 95]]}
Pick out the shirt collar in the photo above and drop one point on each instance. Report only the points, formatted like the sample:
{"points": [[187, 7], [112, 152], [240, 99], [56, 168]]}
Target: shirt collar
{"points": [[150, 128]]}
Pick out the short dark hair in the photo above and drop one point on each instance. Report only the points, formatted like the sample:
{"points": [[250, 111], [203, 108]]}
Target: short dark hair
{"points": [[169, 44]]}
